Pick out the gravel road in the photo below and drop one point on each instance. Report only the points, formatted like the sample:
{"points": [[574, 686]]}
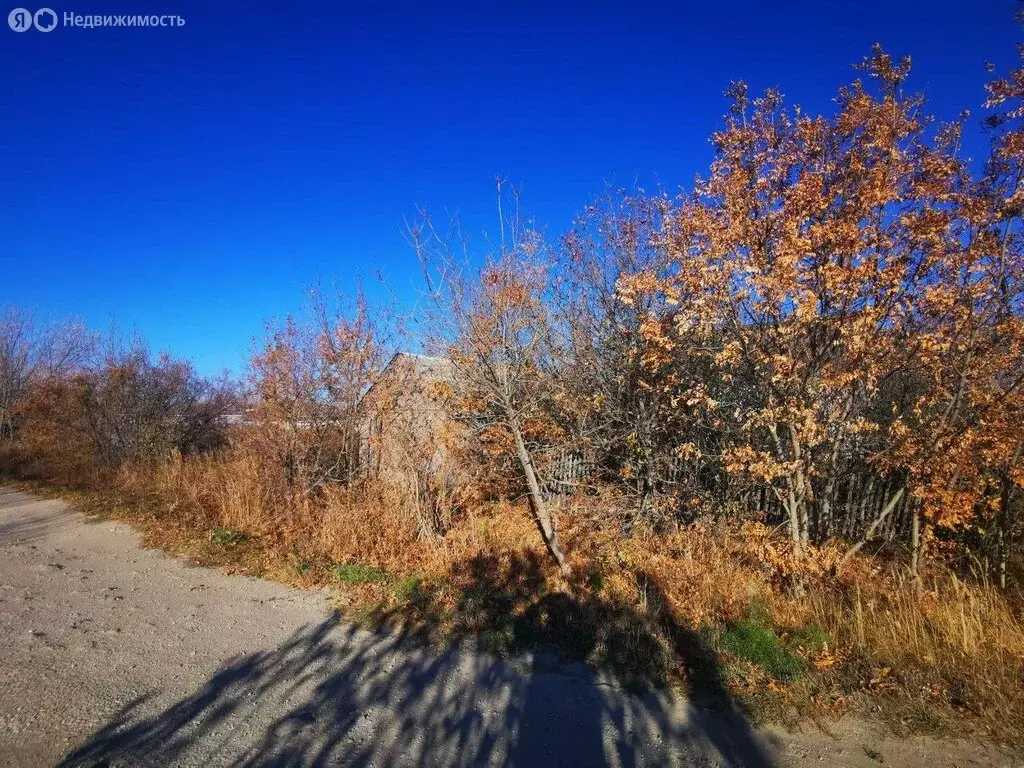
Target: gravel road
{"points": [[114, 655]]}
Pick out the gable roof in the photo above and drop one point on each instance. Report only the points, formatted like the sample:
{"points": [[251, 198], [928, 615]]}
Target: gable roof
{"points": [[426, 368]]}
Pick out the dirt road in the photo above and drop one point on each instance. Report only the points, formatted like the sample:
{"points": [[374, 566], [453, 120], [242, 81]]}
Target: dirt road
{"points": [[114, 655]]}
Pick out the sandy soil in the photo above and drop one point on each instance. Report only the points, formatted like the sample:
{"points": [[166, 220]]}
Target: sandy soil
{"points": [[114, 655]]}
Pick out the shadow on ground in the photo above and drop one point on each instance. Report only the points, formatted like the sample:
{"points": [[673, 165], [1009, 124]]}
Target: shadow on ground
{"points": [[25, 518], [336, 695]]}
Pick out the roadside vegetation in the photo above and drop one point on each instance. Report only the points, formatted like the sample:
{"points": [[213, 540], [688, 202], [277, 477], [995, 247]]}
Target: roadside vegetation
{"points": [[761, 440]]}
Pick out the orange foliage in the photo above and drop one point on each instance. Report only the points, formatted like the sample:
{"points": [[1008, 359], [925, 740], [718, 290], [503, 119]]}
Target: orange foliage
{"points": [[858, 296]]}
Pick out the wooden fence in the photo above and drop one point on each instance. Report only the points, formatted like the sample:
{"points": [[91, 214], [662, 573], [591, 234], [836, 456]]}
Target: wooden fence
{"points": [[855, 502]]}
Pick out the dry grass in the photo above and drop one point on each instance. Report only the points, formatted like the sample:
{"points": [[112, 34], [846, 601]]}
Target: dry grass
{"points": [[926, 654], [930, 650]]}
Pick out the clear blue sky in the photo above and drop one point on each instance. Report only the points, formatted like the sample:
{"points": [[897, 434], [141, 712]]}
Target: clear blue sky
{"points": [[191, 182]]}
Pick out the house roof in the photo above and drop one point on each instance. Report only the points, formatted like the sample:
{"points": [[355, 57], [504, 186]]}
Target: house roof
{"points": [[427, 368]]}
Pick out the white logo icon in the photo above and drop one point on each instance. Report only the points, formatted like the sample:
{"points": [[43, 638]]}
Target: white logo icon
{"points": [[20, 20], [45, 20]]}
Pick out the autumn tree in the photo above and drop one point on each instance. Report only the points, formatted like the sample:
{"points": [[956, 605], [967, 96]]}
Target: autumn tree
{"points": [[616, 382], [800, 268], [961, 440], [136, 407], [32, 353], [1003, 188], [123, 405], [308, 382], [493, 322]]}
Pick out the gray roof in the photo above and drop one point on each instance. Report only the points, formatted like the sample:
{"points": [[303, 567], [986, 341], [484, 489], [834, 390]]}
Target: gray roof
{"points": [[430, 368]]}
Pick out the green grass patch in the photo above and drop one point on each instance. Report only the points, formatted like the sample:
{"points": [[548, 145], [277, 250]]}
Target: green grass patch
{"points": [[810, 639], [225, 537], [359, 573], [410, 589], [751, 640]]}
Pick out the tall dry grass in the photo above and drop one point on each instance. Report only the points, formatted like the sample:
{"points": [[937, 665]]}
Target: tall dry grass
{"points": [[374, 522], [939, 643], [940, 639]]}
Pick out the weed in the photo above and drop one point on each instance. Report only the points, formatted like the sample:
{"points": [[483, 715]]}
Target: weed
{"points": [[410, 588], [758, 612], [359, 573], [225, 537], [751, 640], [811, 638]]}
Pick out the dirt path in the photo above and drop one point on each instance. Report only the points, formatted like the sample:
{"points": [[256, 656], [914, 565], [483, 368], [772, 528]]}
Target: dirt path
{"points": [[115, 655]]}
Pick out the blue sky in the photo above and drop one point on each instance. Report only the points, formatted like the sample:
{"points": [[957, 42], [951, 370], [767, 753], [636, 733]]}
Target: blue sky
{"points": [[190, 183]]}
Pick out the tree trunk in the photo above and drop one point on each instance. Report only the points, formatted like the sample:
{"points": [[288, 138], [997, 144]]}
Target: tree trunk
{"points": [[915, 538], [1001, 564], [802, 497], [1005, 496], [538, 506], [793, 511]]}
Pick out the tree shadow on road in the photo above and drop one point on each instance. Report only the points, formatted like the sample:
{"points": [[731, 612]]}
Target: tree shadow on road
{"points": [[336, 695]]}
